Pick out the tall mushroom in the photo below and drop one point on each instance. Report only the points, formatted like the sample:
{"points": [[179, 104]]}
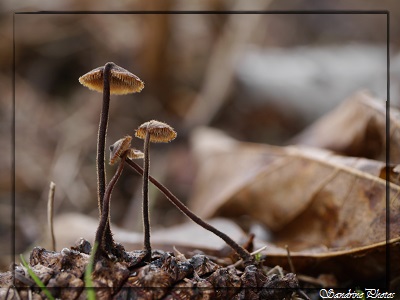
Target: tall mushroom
{"points": [[110, 79], [155, 132]]}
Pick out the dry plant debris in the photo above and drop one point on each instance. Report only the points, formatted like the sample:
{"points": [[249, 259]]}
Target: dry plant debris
{"points": [[167, 276], [330, 209], [357, 127]]}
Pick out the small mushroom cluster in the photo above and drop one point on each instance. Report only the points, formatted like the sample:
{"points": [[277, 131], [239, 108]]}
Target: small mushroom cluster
{"points": [[112, 79]]}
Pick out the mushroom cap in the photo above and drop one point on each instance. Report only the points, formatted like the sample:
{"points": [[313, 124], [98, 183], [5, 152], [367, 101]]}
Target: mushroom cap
{"points": [[121, 81], [135, 154], [159, 132], [118, 148]]}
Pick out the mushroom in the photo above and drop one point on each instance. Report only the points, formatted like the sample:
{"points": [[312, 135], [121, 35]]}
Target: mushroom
{"points": [[155, 132], [119, 150], [122, 145], [110, 79]]}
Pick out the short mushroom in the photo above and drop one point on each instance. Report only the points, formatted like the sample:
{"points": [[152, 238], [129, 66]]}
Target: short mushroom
{"points": [[110, 79], [122, 145], [119, 150], [155, 132]]}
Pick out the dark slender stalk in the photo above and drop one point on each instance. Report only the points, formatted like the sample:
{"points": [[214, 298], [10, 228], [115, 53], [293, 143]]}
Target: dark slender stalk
{"points": [[50, 214], [104, 223], [145, 204], [102, 133], [243, 253], [101, 136]]}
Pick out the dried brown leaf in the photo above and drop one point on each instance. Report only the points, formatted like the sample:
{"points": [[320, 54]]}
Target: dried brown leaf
{"points": [[336, 201], [356, 128], [330, 209]]}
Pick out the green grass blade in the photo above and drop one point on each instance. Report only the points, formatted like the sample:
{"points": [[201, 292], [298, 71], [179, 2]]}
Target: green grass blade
{"points": [[91, 295], [36, 279]]}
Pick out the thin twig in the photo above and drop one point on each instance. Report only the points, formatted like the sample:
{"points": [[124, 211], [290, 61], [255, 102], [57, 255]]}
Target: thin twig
{"points": [[240, 261], [259, 250], [290, 260], [50, 214]]}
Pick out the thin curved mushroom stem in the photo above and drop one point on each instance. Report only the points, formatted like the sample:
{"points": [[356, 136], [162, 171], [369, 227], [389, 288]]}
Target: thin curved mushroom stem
{"points": [[243, 253], [145, 204], [101, 136], [104, 245], [102, 133]]}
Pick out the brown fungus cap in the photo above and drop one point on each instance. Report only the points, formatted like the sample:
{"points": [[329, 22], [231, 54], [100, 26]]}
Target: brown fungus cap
{"points": [[121, 81], [118, 148], [159, 132]]}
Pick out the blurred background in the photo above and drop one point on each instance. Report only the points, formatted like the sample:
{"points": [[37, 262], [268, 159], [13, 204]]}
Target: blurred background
{"points": [[259, 77]]}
